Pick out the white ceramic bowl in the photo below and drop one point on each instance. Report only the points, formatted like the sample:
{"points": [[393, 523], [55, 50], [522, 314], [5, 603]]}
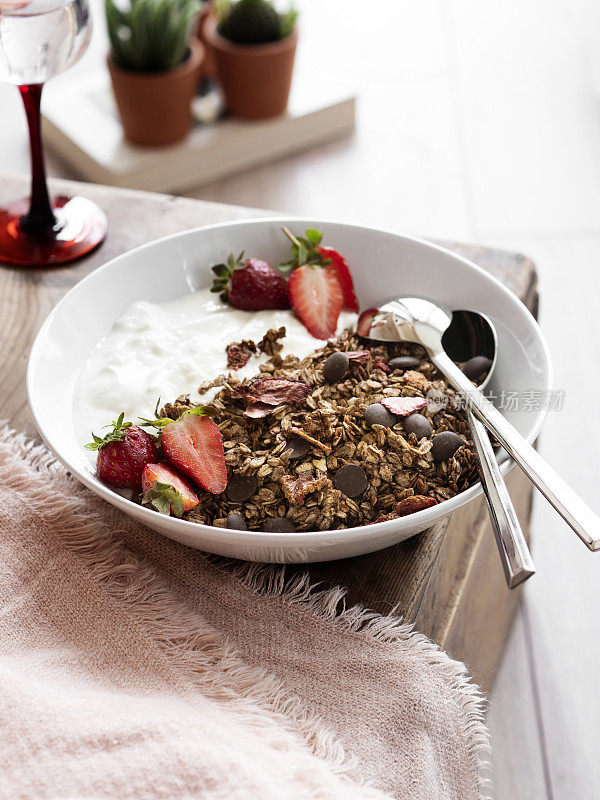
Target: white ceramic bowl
{"points": [[383, 264]]}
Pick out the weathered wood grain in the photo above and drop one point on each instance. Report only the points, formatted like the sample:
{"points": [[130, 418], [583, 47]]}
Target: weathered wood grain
{"points": [[448, 580]]}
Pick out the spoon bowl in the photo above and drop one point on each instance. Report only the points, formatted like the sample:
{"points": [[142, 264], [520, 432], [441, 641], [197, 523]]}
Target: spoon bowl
{"points": [[410, 319], [471, 334]]}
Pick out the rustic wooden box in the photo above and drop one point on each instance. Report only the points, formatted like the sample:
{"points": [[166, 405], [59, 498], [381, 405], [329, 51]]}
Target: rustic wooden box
{"points": [[448, 581]]}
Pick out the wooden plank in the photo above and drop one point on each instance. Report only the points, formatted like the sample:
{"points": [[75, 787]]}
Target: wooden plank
{"points": [[448, 580], [562, 600], [518, 758]]}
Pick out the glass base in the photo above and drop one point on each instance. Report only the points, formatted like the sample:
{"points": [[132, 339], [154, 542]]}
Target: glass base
{"points": [[80, 226]]}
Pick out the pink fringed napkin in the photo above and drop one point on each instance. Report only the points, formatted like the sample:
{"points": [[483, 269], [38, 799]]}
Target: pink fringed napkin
{"points": [[133, 667]]}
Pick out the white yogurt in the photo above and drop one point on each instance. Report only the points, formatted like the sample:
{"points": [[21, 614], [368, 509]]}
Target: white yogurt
{"points": [[170, 349]]}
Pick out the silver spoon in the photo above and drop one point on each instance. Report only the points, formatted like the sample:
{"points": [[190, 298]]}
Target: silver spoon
{"points": [[419, 320], [472, 334]]}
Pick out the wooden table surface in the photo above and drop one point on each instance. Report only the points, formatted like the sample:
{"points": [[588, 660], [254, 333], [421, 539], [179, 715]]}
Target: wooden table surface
{"points": [[448, 580]]}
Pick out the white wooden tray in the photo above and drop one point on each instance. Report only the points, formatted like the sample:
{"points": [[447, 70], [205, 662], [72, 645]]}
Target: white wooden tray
{"points": [[83, 128]]}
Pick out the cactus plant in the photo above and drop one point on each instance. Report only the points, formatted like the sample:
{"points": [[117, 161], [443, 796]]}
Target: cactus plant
{"points": [[254, 21], [150, 35]]}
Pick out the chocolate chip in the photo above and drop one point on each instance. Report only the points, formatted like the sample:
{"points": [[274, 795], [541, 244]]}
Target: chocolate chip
{"points": [[445, 444], [279, 525], [297, 448], [236, 522], [350, 480], [419, 425], [404, 362], [241, 488], [476, 367], [335, 367], [377, 414]]}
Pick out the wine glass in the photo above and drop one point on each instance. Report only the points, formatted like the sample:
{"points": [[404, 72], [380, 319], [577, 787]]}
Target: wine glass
{"points": [[39, 39]]}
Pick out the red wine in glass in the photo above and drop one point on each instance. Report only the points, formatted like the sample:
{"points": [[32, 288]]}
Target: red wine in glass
{"points": [[39, 39]]}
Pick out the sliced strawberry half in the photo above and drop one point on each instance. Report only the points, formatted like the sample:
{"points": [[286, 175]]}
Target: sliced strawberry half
{"points": [[166, 490], [194, 445], [339, 266], [317, 298]]}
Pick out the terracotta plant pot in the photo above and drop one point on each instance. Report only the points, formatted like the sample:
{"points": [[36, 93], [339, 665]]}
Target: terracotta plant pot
{"points": [[155, 106], [255, 78], [209, 67]]}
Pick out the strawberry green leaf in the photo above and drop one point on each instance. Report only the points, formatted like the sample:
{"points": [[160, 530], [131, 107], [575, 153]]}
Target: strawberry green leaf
{"points": [[221, 270], [304, 250], [200, 411], [223, 273], [115, 435], [158, 423], [161, 422], [165, 499], [314, 237]]}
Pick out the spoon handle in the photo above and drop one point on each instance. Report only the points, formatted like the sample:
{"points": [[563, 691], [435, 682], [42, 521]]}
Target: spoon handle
{"points": [[569, 505], [514, 553]]}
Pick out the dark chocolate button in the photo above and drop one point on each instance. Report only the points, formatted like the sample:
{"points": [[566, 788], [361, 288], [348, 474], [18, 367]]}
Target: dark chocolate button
{"points": [[279, 525], [297, 448], [419, 425], [404, 362], [476, 367], [350, 480], [335, 367], [445, 444], [241, 488], [236, 522], [377, 414]]}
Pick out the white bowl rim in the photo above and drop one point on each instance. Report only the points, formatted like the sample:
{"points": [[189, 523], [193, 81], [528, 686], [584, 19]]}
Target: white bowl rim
{"points": [[297, 538]]}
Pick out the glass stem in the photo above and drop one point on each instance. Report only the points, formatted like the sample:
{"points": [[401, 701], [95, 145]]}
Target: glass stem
{"points": [[40, 217]]}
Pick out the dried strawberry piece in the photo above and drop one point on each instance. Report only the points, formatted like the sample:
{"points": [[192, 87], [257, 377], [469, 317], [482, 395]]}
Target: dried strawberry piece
{"points": [[362, 356], [296, 489], [403, 406], [239, 353], [274, 391], [258, 410], [410, 505], [379, 362]]}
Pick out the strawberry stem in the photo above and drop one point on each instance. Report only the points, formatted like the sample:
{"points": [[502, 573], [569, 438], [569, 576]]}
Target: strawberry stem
{"points": [[290, 236]]}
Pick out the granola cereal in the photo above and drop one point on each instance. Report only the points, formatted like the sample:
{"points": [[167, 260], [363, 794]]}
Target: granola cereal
{"points": [[402, 475]]}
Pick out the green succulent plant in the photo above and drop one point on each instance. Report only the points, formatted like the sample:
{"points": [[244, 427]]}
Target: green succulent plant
{"points": [[254, 21], [150, 35]]}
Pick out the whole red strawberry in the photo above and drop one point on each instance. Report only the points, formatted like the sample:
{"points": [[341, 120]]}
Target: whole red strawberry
{"points": [[123, 453], [250, 284]]}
